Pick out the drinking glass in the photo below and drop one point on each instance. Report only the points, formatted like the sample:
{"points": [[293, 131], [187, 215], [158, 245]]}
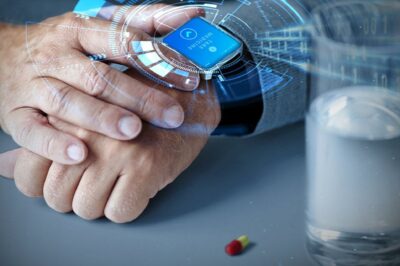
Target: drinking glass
{"points": [[353, 134]]}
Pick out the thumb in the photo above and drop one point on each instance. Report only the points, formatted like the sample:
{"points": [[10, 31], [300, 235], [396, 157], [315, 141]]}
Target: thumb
{"points": [[7, 163]]}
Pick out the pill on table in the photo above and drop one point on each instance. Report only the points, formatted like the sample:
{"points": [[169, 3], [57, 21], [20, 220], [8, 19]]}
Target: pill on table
{"points": [[237, 246]]}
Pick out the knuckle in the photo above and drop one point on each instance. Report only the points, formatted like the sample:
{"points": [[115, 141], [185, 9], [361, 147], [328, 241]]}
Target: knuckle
{"points": [[45, 56], [98, 79], [146, 105], [127, 209], [85, 212], [118, 212], [116, 215], [27, 190], [84, 206], [73, 23], [54, 196], [49, 145], [58, 99], [67, 16], [59, 206], [24, 133], [103, 117], [54, 199], [24, 180]]}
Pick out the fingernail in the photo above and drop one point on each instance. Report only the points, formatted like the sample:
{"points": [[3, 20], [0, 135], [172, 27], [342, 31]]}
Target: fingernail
{"points": [[173, 116], [129, 126], [75, 153]]}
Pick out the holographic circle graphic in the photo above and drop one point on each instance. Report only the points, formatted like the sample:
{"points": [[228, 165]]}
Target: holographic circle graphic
{"points": [[273, 33]]}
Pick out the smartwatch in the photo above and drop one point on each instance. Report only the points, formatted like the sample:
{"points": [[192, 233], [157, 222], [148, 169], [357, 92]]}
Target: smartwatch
{"points": [[239, 93], [205, 45], [223, 57]]}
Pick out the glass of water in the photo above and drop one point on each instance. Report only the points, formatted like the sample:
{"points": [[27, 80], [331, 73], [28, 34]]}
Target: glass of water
{"points": [[353, 135]]}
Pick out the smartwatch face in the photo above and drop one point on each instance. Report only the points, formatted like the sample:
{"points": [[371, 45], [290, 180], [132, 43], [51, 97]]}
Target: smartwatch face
{"points": [[204, 44]]}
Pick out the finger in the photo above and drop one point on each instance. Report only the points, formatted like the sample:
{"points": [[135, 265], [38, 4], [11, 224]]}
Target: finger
{"points": [[30, 173], [160, 18], [133, 47], [130, 196], [170, 17], [62, 181], [94, 189], [84, 188], [100, 80], [60, 186], [82, 110], [7, 163], [31, 130]]}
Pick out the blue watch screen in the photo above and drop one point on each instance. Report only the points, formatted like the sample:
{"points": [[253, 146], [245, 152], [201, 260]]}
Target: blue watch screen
{"points": [[203, 43]]}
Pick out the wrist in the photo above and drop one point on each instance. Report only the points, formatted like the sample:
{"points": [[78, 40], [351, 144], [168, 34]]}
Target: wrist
{"points": [[201, 106]]}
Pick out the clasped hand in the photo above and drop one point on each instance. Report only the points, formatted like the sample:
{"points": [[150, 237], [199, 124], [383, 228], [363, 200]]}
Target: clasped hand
{"points": [[85, 146]]}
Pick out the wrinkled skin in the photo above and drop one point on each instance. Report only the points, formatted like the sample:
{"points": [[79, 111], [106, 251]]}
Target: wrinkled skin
{"points": [[45, 71], [119, 177]]}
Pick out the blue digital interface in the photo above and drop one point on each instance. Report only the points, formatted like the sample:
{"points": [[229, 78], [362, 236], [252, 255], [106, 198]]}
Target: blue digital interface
{"points": [[89, 7], [202, 43]]}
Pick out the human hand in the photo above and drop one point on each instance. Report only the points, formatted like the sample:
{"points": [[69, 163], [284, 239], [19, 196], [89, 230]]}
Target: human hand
{"points": [[118, 178], [44, 70]]}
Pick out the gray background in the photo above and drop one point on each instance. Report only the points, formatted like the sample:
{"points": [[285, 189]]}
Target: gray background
{"points": [[237, 186]]}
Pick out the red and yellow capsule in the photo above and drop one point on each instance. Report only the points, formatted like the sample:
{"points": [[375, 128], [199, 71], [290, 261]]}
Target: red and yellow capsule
{"points": [[237, 246]]}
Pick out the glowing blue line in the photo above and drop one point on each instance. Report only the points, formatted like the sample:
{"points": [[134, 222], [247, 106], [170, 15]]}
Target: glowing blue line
{"points": [[293, 10], [222, 88], [210, 5], [237, 9]]}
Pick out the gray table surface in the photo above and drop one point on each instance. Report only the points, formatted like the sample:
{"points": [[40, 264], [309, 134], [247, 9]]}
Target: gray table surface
{"points": [[248, 186], [236, 186]]}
